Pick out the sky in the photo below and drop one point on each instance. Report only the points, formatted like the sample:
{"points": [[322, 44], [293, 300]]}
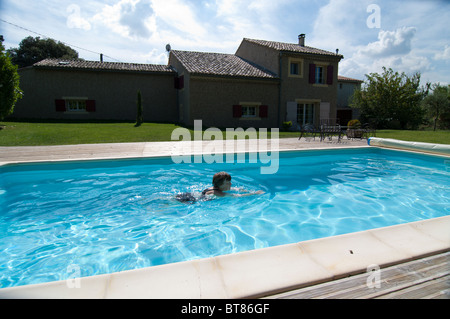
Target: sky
{"points": [[405, 35]]}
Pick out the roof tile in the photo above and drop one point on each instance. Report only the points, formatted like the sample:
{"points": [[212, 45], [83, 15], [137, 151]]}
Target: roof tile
{"points": [[291, 47], [220, 64], [97, 65], [347, 79]]}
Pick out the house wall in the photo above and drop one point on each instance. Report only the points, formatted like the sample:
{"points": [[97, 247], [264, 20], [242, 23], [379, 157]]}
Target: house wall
{"points": [[115, 94], [298, 89], [212, 100], [345, 92]]}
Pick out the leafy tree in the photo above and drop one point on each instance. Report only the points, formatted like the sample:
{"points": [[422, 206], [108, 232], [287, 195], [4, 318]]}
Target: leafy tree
{"points": [[10, 92], [389, 98], [32, 50], [437, 105]]}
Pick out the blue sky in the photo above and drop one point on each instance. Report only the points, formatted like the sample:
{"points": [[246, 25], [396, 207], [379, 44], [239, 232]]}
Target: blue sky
{"points": [[409, 35]]}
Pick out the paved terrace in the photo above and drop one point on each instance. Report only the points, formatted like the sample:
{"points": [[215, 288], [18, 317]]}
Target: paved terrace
{"points": [[136, 150], [321, 266]]}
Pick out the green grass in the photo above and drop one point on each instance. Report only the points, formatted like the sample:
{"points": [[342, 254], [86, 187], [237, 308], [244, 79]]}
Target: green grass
{"points": [[440, 137], [30, 134], [53, 133]]}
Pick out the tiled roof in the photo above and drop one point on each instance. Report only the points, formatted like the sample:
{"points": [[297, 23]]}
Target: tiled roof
{"points": [[97, 65], [220, 64], [346, 79], [291, 47]]}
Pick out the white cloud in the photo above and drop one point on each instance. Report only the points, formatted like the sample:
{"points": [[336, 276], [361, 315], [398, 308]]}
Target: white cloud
{"points": [[335, 25], [391, 43], [130, 18], [343, 24], [392, 50], [238, 19], [180, 18], [443, 55], [75, 20]]}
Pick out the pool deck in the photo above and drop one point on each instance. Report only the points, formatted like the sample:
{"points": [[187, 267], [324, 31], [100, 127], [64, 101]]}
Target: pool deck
{"points": [[12, 154], [251, 274]]}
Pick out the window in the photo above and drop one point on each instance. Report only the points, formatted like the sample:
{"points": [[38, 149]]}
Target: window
{"points": [[76, 105], [295, 68], [305, 113], [319, 75], [248, 111]]}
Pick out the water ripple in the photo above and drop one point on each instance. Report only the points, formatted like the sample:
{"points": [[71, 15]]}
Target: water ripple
{"points": [[124, 216]]}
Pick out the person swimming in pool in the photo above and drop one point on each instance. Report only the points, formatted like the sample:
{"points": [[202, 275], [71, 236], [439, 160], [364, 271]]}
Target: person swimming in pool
{"points": [[221, 183]]}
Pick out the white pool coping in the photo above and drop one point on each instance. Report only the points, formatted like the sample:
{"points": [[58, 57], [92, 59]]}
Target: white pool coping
{"points": [[248, 274]]}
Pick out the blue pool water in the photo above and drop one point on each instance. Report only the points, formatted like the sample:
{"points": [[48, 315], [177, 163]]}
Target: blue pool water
{"points": [[108, 216]]}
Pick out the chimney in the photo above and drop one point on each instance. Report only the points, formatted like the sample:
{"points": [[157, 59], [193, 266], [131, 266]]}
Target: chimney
{"points": [[301, 40], [101, 57]]}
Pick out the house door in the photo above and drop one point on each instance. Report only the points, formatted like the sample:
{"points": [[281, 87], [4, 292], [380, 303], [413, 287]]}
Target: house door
{"points": [[305, 113]]}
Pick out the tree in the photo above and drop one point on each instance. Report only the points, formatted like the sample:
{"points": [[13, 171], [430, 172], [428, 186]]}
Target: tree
{"points": [[139, 117], [10, 92], [390, 99], [32, 50], [437, 105]]}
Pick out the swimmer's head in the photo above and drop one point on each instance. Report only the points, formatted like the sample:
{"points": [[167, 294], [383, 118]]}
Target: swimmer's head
{"points": [[220, 179]]}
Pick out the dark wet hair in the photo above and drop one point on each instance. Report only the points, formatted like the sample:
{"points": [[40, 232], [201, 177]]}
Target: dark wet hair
{"points": [[220, 177]]}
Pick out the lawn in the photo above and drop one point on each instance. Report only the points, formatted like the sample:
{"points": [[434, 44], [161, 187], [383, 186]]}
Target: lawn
{"points": [[439, 137], [52, 133], [28, 134]]}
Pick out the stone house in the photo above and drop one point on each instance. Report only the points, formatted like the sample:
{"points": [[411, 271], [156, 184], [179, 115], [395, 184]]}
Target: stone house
{"points": [[262, 85]]}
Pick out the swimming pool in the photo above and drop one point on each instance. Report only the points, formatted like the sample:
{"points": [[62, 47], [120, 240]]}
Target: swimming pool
{"points": [[108, 216]]}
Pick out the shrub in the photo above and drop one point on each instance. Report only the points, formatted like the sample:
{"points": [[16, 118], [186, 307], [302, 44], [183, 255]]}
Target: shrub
{"points": [[287, 125], [354, 124]]}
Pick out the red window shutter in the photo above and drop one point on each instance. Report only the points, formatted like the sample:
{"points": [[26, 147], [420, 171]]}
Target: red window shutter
{"points": [[263, 110], [60, 105], [237, 110], [90, 105], [330, 75], [181, 82], [312, 73]]}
